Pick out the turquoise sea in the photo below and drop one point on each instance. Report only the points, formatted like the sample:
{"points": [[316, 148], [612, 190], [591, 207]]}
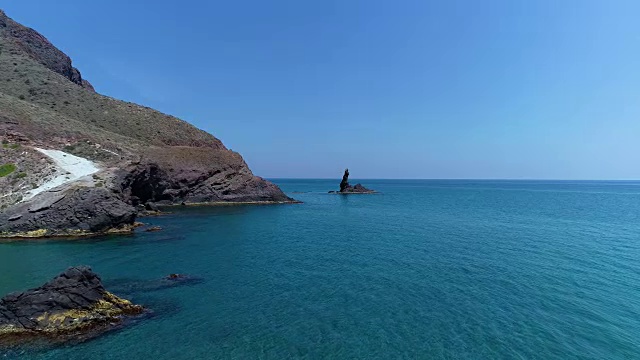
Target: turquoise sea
{"points": [[428, 269]]}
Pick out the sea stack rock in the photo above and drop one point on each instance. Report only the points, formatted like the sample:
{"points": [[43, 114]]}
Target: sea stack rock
{"points": [[344, 184], [72, 306], [345, 188]]}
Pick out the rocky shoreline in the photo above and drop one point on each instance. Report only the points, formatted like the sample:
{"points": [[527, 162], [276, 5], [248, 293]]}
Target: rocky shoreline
{"points": [[85, 212], [79, 209], [84, 164], [235, 203], [71, 307]]}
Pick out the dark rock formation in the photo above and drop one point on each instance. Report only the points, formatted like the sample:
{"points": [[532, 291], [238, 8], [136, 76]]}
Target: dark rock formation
{"points": [[344, 184], [150, 206], [40, 49], [221, 182], [74, 212], [131, 287], [345, 188], [87, 85], [358, 188], [73, 305]]}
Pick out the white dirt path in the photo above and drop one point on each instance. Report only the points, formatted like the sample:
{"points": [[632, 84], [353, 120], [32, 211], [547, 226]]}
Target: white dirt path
{"points": [[70, 167]]}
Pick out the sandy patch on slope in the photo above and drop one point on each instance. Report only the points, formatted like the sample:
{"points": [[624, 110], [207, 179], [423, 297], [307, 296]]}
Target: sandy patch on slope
{"points": [[70, 167]]}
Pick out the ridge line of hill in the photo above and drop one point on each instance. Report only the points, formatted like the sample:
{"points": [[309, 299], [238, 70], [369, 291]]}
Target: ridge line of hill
{"points": [[148, 158]]}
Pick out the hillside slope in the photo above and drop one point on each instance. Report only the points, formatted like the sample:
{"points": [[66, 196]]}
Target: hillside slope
{"points": [[145, 156]]}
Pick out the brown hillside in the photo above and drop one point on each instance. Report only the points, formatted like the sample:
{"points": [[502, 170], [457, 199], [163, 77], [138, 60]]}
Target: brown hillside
{"points": [[45, 102]]}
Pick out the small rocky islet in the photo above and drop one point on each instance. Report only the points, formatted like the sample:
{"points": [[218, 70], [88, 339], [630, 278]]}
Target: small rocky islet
{"points": [[75, 306], [71, 307], [346, 188]]}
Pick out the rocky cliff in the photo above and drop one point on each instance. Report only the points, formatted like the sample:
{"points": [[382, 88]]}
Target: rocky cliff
{"points": [[142, 155], [22, 39]]}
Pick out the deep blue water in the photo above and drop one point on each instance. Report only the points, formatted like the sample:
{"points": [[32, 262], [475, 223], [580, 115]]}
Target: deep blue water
{"points": [[426, 269]]}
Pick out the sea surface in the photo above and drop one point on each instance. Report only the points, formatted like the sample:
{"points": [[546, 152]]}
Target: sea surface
{"points": [[427, 269]]}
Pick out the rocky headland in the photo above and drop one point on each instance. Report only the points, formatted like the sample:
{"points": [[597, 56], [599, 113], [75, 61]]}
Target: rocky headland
{"points": [[73, 306], [74, 162], [346, 188]]}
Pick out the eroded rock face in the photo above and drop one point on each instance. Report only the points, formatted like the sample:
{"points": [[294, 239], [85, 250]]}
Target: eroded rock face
{"points": [[87, 85], [344, 184], [74, 212], [40, 49], [72, 305], [146, 183]]}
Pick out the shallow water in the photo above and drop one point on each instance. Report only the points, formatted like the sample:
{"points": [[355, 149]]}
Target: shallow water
{"points": [[427, 269]]}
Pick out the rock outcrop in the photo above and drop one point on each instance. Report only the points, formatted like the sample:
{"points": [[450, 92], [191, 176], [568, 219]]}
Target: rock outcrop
{"points": [[344, 184], [73, 212], [72, 306], [29, 41], [144, 156], [345, 188], [219, 182]]}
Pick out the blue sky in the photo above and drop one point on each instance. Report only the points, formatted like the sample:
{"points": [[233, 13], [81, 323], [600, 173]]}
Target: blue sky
{"points": [[511, 89]]}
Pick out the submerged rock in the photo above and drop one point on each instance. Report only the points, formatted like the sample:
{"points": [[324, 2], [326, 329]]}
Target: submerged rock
{"points": [[345, 188], [73, 305], [136, 286]]}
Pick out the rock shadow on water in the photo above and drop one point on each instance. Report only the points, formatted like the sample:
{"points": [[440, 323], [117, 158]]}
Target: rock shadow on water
{"points": [[42, 346], [132, 286], [154, 235], [75, 307], [144, 291], [89, 239]]}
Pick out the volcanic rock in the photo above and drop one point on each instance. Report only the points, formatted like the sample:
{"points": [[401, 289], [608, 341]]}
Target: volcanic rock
{"points": [[345, 188], [41, 50], [73, 305], [79, 211]]}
